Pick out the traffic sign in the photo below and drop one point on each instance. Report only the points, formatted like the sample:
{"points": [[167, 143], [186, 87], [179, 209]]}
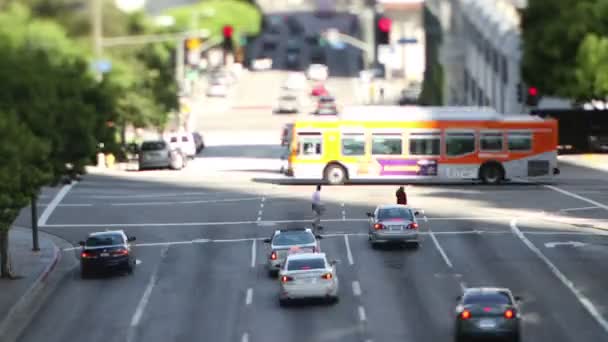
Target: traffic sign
{"points": [[102, 66], [405, 40]]}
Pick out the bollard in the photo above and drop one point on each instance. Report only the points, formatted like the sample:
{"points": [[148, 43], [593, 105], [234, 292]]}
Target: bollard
{"points": [[110, 159], [101, 161]]}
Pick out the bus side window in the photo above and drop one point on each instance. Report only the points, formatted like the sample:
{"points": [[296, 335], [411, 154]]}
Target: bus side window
{"points": [[310, 145]]}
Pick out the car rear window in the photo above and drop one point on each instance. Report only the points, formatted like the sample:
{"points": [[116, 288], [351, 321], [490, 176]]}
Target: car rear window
{"points": [[153, 146], [306, 264], [496, 298], [185, 139], [293, 238], [104, 240], [394, 213]]}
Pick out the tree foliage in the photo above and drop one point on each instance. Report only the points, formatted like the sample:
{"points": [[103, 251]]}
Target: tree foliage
{"points": [[591, 73], [551, 43], [22, 173]]}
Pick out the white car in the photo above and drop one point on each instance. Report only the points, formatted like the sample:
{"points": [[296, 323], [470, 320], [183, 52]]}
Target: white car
{"points": [[262, 64], [318, 72], [217, 90], [287, 103], [295, 81], [308, 275], [183, 141]]}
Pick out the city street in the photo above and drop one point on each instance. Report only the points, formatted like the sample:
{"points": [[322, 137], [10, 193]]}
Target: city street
{"points": [[201, 273]]}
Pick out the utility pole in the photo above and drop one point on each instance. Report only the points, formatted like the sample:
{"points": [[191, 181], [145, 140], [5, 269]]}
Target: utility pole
{"points": [[34, 204], [97, 30]]}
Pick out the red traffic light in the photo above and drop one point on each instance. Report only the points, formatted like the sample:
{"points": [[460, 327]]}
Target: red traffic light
{"points": [[532, 91], [384, 24], [227, 31]]}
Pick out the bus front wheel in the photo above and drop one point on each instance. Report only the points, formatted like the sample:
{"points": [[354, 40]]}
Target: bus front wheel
{"points": [[335, 174], [491, 173]]}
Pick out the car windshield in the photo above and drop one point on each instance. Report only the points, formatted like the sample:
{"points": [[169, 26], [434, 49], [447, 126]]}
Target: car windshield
{"points": [[153, 146], [293, 238], [495, 298], [395, 213], [104, 240], [306, 264]]}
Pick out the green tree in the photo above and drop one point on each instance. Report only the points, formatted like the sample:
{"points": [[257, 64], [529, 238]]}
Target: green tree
{"points": [[592, 69], [22, 173], [551, 42]]}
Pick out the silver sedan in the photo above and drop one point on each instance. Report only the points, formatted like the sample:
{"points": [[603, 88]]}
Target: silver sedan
{"points": [[285, 240], [393, 223]]}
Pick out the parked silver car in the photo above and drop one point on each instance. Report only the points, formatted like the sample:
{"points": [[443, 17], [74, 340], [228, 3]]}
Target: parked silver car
{"points": [[158, 154], [393, 223]]}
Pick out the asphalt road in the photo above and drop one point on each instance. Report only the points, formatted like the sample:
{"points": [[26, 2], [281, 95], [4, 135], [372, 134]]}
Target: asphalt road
{"points": [[201, 273]]}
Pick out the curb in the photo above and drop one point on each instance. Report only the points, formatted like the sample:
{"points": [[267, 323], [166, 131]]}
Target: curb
{"points": [[21, 314]]}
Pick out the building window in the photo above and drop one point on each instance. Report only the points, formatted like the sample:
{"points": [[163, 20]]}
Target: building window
{"points": [[353, 145], [310, 144], [458, 144], [520, 141], [425, 144], [386, 144], [490, 141]]}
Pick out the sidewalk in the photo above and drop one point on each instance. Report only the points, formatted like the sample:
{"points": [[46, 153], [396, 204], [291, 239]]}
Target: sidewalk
{"points": [[38, 274], [593, 161]]}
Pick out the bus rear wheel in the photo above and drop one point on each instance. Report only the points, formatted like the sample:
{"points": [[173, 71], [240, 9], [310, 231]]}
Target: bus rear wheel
{"points": [[491, 173], [335, 174]]}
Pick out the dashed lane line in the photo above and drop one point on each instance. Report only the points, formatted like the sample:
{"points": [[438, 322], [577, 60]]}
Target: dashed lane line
{"points": [[143, 302], [585, 302], [362, 316], [249, 296], [343, 212], [245, 337], [356, 288], [253, 252], [349, 253], [579, 209]]}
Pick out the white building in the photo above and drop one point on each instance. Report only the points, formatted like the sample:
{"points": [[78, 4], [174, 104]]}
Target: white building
{"points": [[481, 52]]}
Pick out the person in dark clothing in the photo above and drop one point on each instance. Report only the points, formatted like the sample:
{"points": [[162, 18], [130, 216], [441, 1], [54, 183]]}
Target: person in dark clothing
{"points": [[401, 196]]}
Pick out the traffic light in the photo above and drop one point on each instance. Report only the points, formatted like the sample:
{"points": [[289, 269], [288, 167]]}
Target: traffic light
{"points": [[383, 30], [227, 32], [532, 97]]}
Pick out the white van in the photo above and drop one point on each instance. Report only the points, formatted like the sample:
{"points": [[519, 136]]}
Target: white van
{"points": [[184, 141]]}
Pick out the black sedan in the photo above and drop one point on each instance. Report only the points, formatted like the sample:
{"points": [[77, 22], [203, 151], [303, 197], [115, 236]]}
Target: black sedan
{"points": [[487, 313], [109, 250]]}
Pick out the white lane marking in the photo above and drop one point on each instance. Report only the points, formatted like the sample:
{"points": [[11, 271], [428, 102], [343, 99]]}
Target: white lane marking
{"points": [[426, 219], [587, 304], [343, 212], [224, 223], [176, 194], [138, 262], [463, 286], [349, 253], [441, 251], [249, 296], [141, 204], [356, 288], [253, 247], [362, 316], [48, 211], [573, 195], [245, 337], [579, 209], [261, 211], [145, 298]]}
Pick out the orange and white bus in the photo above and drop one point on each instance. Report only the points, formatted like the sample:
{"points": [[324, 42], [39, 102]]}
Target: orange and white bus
{"points": [[423, 143]]}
